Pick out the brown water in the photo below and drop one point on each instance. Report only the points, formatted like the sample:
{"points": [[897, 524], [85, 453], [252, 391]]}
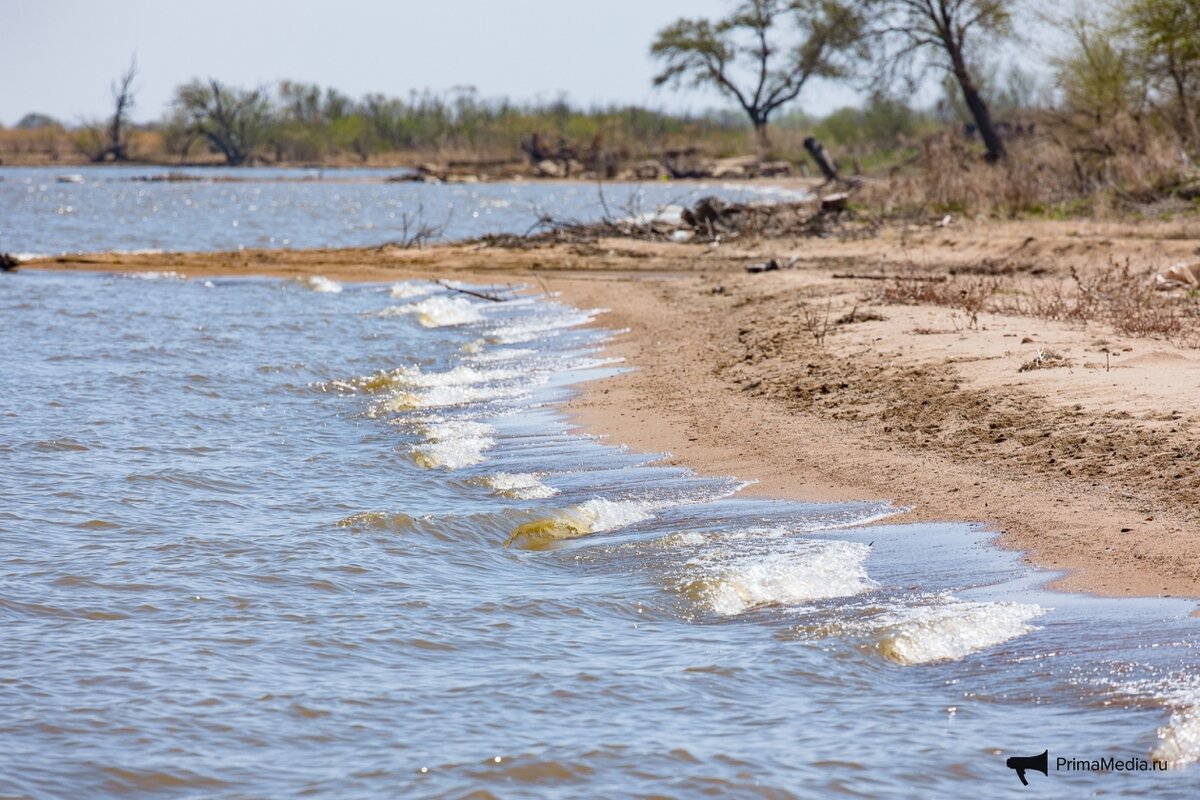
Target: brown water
{"points": [[269, 539]]}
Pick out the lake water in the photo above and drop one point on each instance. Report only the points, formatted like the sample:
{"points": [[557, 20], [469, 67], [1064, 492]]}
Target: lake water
{"points": [[278, 539], [45, 211], [265, 539]]}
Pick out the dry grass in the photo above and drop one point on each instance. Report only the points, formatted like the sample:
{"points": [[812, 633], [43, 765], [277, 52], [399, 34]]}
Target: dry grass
{"points": [[1115, 295], [1066, 168]]}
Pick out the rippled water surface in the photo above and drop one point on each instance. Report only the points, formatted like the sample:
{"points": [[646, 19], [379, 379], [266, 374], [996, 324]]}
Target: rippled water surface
{"points": [[46, 211], [274, 539]]}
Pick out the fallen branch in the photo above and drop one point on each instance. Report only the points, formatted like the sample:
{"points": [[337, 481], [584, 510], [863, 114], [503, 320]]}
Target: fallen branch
{"points": [[481, 295], [856, 276]]}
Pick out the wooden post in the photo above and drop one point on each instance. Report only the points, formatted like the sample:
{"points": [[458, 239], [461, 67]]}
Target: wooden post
{"points": [[817, 152]]}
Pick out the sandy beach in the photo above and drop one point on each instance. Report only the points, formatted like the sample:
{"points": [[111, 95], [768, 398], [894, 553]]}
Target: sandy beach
{"points": [[820, 386]]}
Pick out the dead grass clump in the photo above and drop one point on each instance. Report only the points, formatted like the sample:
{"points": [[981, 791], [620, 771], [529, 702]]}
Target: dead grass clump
{"points": [[859, 316], [1045, 359], [816, 320], [969, 294], [1115, 295]]}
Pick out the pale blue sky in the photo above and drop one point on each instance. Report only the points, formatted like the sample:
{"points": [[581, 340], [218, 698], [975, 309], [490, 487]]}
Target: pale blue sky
{"points": [[60, 56]]}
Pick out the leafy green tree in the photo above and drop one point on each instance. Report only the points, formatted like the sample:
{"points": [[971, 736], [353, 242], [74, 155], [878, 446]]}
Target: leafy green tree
{"points": [[1166, 34], [1099, 76], [761, 55]]}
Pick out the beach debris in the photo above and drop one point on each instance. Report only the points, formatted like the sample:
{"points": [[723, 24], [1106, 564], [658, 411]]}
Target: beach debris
{"points": [[1045, 359], [8, 263], [166, 177], [1177, 276], [882, 276], [859, 316], [494, 298], [549, 169], [834, 203], [763, 266]]}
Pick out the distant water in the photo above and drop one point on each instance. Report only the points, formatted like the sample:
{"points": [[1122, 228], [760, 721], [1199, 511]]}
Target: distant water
{"points": [[282, 539], [50, 210]]}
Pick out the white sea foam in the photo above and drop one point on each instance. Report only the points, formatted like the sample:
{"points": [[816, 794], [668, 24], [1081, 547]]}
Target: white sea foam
{"points": [[542, 325], [153, 275], [951, 630], [319, 283], [1178, 740], [607, 515], [519, 485], [445, 396], [439, 311], [458, 376], [408, 289], [806, 570], [454, 444], [501, 354]]}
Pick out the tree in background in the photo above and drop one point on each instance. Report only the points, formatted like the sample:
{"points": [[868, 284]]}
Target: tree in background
{"points": [[761, 55], [103, 141], [947, 34], [122, 92], [233, 121], [1165, 34], [1099, 76]]}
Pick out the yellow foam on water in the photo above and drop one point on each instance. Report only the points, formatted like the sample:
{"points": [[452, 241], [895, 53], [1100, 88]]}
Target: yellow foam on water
{"points": [[542, 534]]}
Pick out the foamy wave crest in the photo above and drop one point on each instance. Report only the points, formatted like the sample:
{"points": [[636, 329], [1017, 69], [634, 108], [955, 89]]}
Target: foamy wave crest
{"points": [[808, 570], [403, 291], [444, 397], [1179, 741], [926, 634], [414, 377], [536, 328], [501, 354], [153, 275], [594, 516], [439, 311], [319, 283], [454, 444], [519, 485]]}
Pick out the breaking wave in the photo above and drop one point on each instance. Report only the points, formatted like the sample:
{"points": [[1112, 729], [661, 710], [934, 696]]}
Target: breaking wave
{"points": [[952, 630], [454, 444], [439, 311], [519, 485], [594, 516], [807, 570]]}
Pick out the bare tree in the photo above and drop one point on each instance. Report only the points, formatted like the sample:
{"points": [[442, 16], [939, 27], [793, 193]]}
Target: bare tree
{"points": [[234, 121], [101, 141], [122, 92], [942, 34], [761, 55]]}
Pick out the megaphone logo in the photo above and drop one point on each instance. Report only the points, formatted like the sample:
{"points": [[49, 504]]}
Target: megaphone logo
{"points": [[1022, 763]]}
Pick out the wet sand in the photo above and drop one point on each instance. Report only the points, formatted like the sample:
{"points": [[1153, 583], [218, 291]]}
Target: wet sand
{"points": [[1092, 469]]}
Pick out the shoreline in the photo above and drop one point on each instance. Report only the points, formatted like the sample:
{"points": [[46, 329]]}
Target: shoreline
{"points": [[724, 382]]}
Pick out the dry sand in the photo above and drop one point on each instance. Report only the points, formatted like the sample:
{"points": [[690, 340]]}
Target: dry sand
{"points": [[1092, 468]]}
